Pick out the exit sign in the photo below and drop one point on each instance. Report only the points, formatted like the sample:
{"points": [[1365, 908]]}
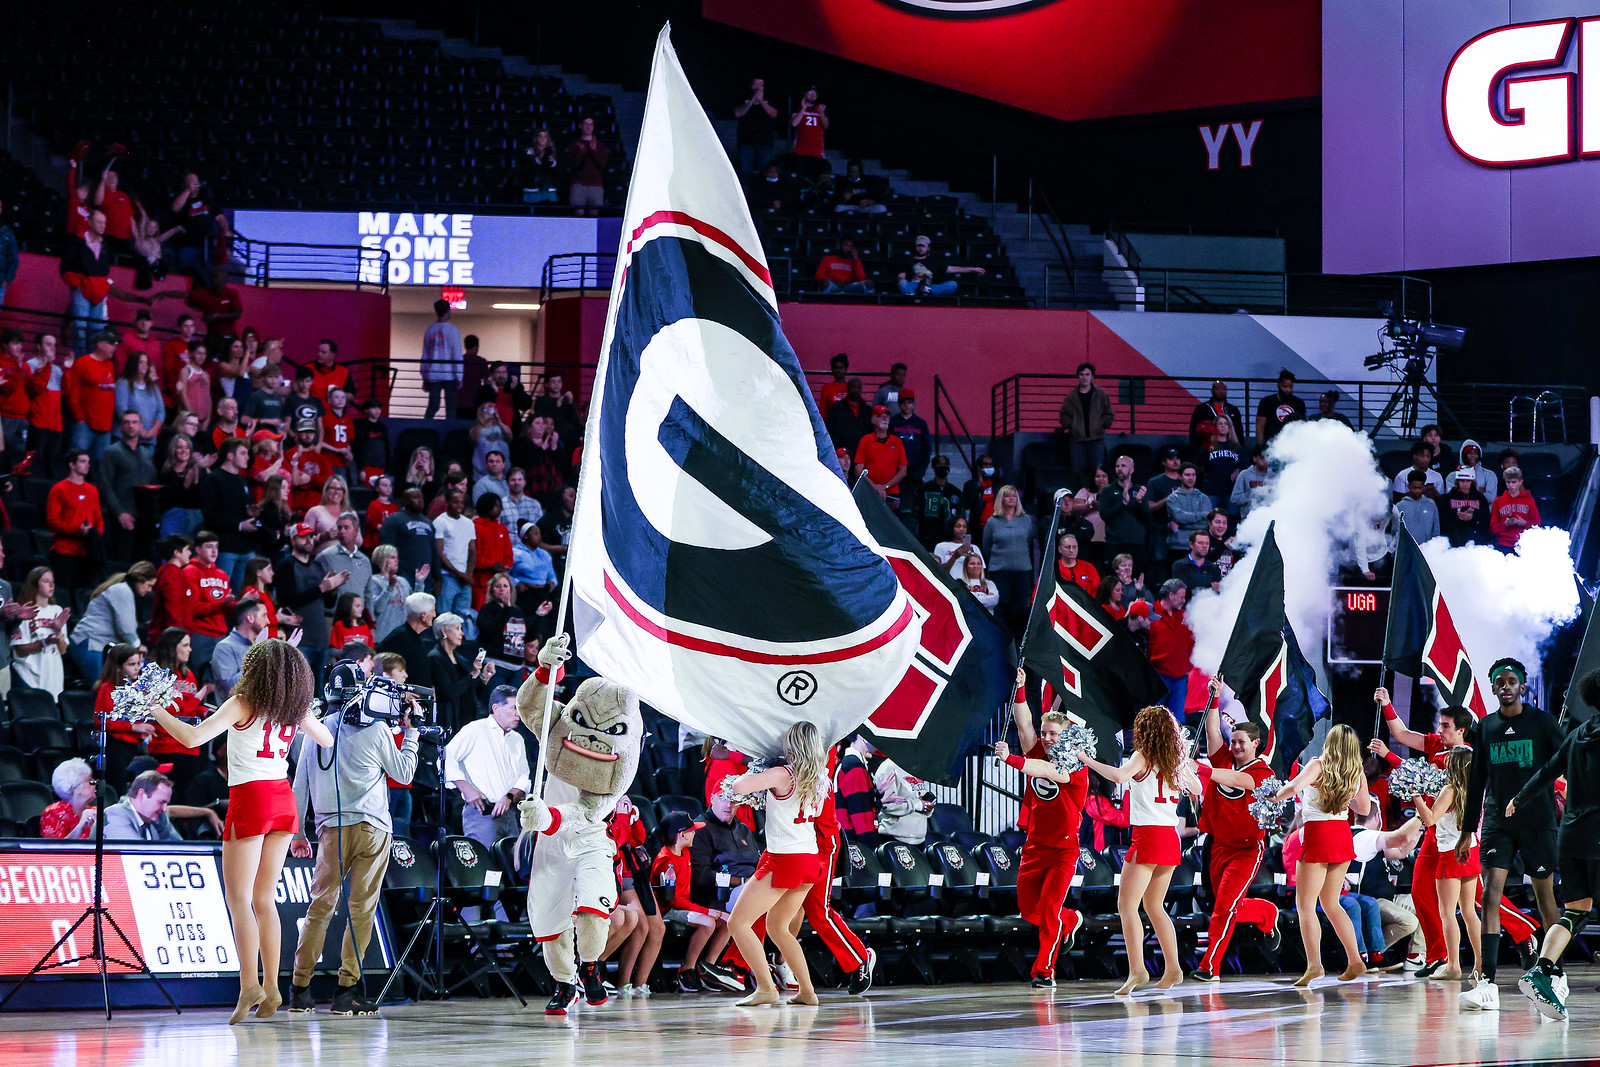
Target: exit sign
{"points": [[455, 296]]}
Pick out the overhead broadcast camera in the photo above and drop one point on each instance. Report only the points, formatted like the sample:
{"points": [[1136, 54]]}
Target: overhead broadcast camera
{"points": [[1409, 346], [365, 701]]}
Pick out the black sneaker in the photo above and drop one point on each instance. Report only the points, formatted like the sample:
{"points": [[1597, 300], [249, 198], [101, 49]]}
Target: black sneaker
{"points": [[717, 979], [1427, 969], [1528, 953], [1202, 975], [594, 990], [566, 996], [300, 999], [1042, 981], [349, 1001], [1272, 940], [688, 980], [861, 978]]}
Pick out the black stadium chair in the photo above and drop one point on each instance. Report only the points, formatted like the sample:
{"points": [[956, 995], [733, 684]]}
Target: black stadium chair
{"points": [[77, 707], [13, 764], [947, 820], [35, 734], [26, 801], [29, 703]]}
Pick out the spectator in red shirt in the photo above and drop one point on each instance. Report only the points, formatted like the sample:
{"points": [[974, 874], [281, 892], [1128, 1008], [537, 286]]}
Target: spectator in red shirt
{"points": [[175, 357], [213, 599], [174, 595], [809, 124], [92, 393], [326, 373], [1171, 640], [46, 379], [139, 339], [842, 272], [339, 427], [78, 191], [219, 303], [72, 511], [1514, 511], [380, 509], [882, 458], [839, 367], [118, 208], [14, 403], [1072, 568], [494, 547], [309, 468], [226, 426], [70, 818]]}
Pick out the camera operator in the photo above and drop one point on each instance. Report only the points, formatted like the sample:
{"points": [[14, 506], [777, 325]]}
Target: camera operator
{"points": [[349, 794]]}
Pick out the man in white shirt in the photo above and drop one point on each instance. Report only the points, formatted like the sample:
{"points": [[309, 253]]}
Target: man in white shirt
{"points": [[457, 540], [442, 362], [487, 763]]}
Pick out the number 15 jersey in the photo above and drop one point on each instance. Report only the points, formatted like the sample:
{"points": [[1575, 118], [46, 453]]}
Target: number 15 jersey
{"points": [[1152, 802]]}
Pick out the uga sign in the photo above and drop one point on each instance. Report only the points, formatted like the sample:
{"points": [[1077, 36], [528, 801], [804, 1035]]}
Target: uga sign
{"points": [[1505, 104]]}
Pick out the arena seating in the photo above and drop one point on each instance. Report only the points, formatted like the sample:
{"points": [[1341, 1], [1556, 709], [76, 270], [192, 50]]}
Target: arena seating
{"points": [[276, 106]]}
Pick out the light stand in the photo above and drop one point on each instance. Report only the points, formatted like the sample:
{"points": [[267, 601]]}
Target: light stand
{"points": [[98, 909]]}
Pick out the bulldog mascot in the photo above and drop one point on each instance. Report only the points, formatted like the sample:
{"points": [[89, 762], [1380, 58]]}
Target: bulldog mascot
{"points": [[590, 758]]}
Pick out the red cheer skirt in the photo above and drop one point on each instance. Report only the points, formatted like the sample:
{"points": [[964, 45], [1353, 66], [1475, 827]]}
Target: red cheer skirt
{"points": [[257, 808], [1328, 841], [789, 870], [1156, 846]]}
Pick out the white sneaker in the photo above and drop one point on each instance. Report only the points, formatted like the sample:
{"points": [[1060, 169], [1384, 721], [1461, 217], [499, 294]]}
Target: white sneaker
{"points": [[1415, 961], [786, 978], [1484, 996], [626, 990], [1560, 982], [640, 992]]}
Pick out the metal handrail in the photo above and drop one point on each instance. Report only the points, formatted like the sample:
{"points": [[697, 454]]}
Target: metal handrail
{"points": [[266, 261], [1221, 291], [1158, 404], [942, 402]]}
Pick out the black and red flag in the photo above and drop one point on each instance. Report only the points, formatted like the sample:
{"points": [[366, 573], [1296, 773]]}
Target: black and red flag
{"points": [[1264, 666], [961, 673], [1087, 658], [1421, 640]]}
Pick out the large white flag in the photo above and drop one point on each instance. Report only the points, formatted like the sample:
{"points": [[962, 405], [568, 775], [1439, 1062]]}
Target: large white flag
{"points": [[719, 566]]}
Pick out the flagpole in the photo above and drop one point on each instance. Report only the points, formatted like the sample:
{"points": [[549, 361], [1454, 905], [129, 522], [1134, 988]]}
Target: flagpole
{"points": [[1046, 558]]}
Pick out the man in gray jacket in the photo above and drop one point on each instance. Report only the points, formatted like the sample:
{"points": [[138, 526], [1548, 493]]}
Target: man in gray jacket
{"points": [[347, 790], [124, 467]]}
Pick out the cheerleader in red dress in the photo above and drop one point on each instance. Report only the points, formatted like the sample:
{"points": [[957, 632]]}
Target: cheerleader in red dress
{"points": [[788, 866], [1157, 778], [1329, 786], [1455, 881], [272, 701]]}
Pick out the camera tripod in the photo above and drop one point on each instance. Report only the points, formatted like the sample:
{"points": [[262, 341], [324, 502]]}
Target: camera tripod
{"points": [[1406, 400], [98, 912]]}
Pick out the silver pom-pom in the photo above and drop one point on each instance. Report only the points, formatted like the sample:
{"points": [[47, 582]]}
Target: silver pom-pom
{"points": [[153, 688], [756, 800], [1075, 740], [1270, 814], [1416, 777]]}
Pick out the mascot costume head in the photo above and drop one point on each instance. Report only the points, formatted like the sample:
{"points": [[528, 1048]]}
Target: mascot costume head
{"points": [[591, 755]]}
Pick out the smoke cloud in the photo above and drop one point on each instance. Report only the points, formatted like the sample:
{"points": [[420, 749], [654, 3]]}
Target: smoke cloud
{"points": [[1507, 605], [1328, 498]]}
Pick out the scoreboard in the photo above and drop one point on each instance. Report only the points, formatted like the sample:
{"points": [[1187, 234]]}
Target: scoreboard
{"points": [[1357, 624], [167, 898]]}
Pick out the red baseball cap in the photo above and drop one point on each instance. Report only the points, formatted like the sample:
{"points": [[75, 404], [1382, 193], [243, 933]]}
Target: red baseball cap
{"points": [[265, 435], [303, 529], [879, 410], [907, 394]]}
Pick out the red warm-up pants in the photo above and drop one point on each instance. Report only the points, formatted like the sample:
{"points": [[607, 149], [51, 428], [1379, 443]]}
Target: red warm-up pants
{"points": [[1425, 902], [1233, 868], [846, 947], [1043, 880]]}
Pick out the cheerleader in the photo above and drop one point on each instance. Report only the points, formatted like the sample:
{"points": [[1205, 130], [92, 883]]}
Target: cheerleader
{"points": [[1328, 786], [1153, 773], [272, 701], [788, 866], [1456, 880]]}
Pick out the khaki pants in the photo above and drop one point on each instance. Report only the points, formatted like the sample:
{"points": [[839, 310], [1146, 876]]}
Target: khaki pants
{"points": [[366, 857]]}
